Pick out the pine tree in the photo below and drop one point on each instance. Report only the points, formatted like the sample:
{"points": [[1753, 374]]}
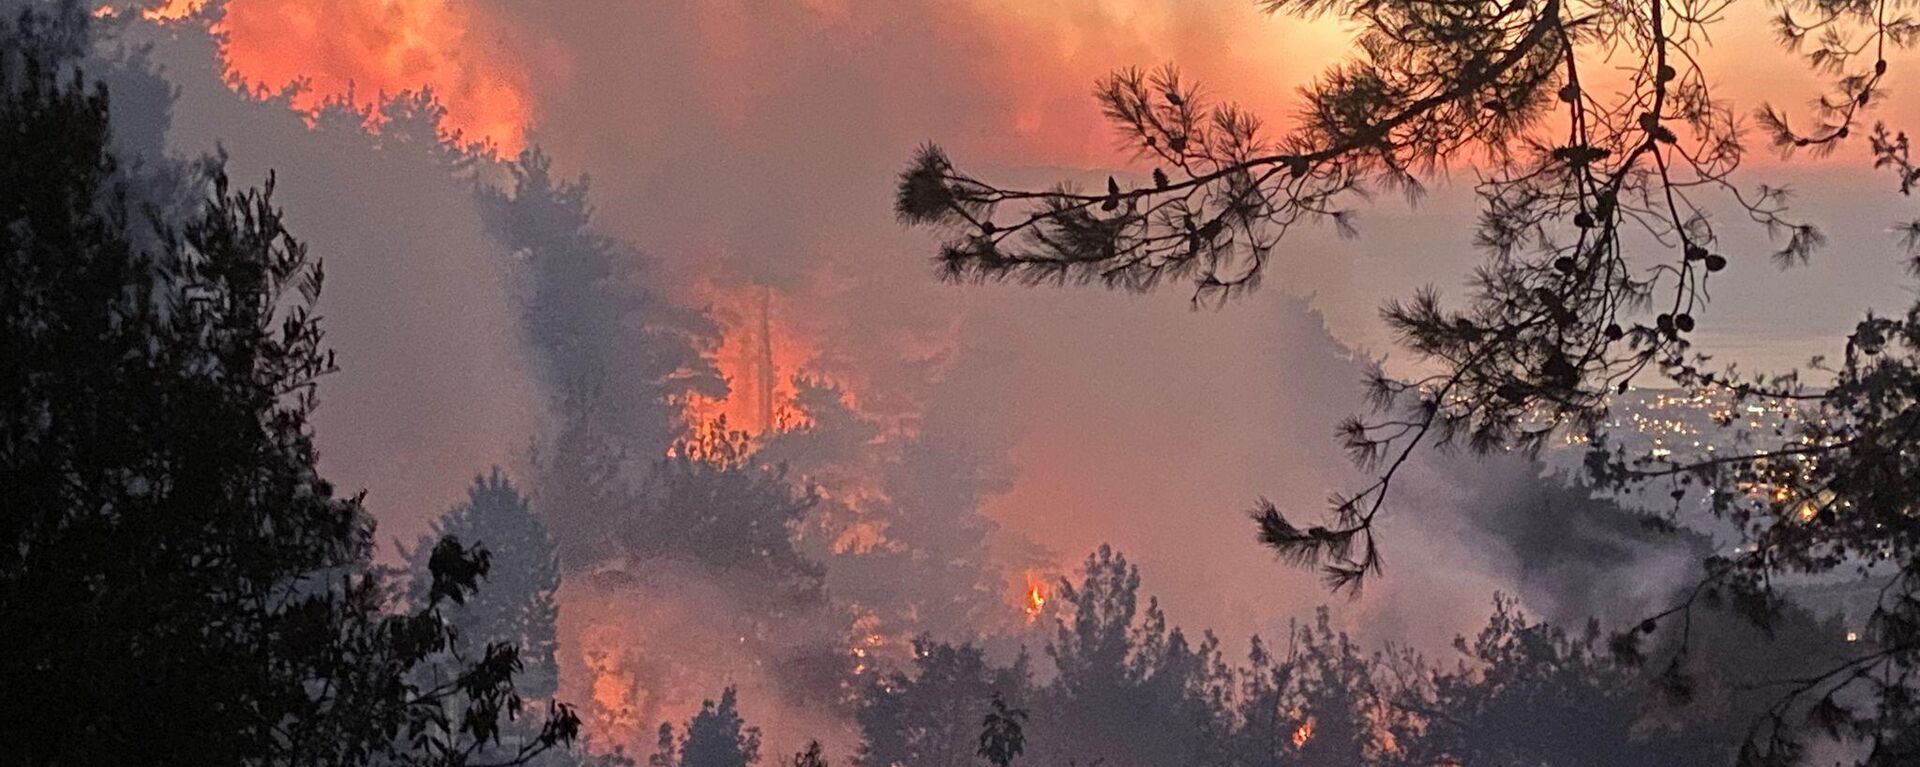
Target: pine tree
{"points": [[179, 584], [812, 757], [1597, 216], [713, 505], [516, 606], [1001, 734], [926, 717], [616, 359], [718, 737]]}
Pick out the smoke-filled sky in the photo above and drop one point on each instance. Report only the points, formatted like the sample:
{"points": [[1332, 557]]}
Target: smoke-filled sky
{"points": [[755, 142]]}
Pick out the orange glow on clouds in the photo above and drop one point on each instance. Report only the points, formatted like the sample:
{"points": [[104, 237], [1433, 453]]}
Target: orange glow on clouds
{"points": [[359, 50], [483, 72]]}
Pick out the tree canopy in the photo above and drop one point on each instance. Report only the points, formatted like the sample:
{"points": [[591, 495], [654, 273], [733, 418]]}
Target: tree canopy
{"points": [[1598, 200], [179, 583]]}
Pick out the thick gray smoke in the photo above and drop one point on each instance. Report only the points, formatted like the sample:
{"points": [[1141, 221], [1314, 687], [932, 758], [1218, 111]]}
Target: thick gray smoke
{"points": [[434, 385], [996, 430]]}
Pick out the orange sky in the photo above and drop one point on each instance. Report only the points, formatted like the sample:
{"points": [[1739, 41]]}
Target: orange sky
{"points": [[489, 81], [489, 74]]}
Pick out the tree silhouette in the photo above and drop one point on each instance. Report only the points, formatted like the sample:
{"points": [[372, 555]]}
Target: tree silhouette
{"points": [[179, 584], [1534, 695], [718, 737], [713, 505], [1595, 217], [666, 751], [812, 757], [1001, 738], [1129, 689], [1522, 692], [517, 606], [925, 718], [616, 359]]}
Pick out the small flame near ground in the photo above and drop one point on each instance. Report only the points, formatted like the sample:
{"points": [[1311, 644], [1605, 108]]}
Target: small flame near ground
{"points": [[1303, 733]]}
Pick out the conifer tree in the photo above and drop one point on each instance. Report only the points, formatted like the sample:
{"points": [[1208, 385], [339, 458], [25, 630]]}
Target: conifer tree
{"points": [[1598, 201], [517, 605], [718, 737], [179, 584]]}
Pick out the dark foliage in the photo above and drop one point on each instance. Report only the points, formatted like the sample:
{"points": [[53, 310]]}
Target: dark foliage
{"points": [[179, 585], [926, 717], [712, 505], [716, 736], [618, 361], [1520, 693], [1596, 216], [1001, 736], [812, 757], [517, 605]]}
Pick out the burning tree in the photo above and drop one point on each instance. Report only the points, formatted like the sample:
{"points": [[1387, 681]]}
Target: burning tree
{"points": [[1596, 221]]}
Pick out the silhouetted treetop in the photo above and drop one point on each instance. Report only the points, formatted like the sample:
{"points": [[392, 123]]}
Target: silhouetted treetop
{"points": [[1595, 207], [178, 582], [1608, 175]]}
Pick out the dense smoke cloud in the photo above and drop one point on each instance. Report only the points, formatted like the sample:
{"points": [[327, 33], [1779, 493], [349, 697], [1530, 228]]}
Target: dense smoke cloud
{"points": [[1157, 448], [433, 385], [758, 146], [750, 148]]}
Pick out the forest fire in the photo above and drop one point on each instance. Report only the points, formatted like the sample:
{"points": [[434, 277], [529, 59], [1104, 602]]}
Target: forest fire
{"points": [[614, 692], [359, 51], [1036, 598], [1303, 734], [758, 356]]}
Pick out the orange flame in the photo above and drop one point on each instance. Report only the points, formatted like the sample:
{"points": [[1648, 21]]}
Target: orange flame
{"points": [[359, 50], [758, 355], [1036, 598], [1303, 733], [868, 642], [615, 708]]}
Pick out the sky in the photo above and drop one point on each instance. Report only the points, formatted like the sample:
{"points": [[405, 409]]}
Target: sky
{"points": [[755, 142], [705, 122]]}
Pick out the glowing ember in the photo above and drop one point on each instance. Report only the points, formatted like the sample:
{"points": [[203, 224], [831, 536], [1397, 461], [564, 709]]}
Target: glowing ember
{"points": [[867, 641], [1303, 733], [173, 9], [1808, 510]]}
